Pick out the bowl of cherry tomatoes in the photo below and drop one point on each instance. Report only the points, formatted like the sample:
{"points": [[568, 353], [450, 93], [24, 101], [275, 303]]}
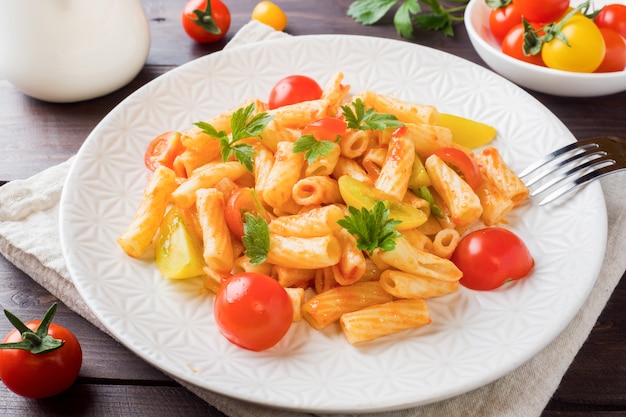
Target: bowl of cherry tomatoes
{"points": [[565, 48]]}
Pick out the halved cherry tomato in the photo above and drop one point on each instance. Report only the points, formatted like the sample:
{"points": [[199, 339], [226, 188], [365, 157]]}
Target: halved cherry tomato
{"points": [[463, 164], [206, 25], [542, 11], [163, 150], [613, 16], [294, 89], [241, 201], [502, 19], [489, 257], [615, 55], [49, 372], [328, 128], [253, 310], [513, 45]]}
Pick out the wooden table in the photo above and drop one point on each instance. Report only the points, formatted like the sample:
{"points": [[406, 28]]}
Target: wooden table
{"points": [[35, 135]]}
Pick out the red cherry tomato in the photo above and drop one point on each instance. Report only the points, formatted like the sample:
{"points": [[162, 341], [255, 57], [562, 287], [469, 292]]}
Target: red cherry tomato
{"points": [[502, 19], [463, 164], [206, 25], [615, 55], [490, 257], [163, 150], [241, 201], [40, 375], [513, 44], [294, 89], [328, 128], [542, 11], [613, 16], [253, 310]]}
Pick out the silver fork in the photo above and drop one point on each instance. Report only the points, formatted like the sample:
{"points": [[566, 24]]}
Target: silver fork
{"points": [[574, 165]]}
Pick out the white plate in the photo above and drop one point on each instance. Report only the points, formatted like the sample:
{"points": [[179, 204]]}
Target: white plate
{"points": [[474, 338]]}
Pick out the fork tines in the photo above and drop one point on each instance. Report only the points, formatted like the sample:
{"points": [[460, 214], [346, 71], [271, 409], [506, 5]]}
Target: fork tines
{"points": [[573, 165]]}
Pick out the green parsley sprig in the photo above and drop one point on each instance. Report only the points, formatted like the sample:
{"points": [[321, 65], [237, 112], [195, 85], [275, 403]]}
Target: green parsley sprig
{"points": [[312, 147], [243, 125], [359, 118], [437, 15], [372, 228], [256, 238]]}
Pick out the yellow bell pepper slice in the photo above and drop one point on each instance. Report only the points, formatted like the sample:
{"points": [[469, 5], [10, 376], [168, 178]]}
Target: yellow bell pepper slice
{"points": [[359, 194], [467, 132]]}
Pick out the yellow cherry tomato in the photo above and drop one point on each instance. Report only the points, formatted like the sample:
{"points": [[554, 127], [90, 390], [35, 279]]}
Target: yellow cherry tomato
{"points": [[585, 51], [270, 14], [467, 132]]}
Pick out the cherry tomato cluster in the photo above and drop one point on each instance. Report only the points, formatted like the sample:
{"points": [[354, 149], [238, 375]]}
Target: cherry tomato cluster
{"points": [[554, 34]]}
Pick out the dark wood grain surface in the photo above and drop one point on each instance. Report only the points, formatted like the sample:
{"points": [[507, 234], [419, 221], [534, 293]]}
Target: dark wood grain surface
{"points": [[35, 135]]}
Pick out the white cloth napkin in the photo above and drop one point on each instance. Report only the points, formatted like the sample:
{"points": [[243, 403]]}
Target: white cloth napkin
{"points": [[29, 238]]}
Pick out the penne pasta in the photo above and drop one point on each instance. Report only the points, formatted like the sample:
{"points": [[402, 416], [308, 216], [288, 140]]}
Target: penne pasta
{"points": [[206, 177], [396, 170], [316, 190], [140, 233], [384, 319], [405, 285], [218, 249], [304, 252], [283, 175], [318, 221], [458, 196], [351, 266], [327, 307], [408, 258]]}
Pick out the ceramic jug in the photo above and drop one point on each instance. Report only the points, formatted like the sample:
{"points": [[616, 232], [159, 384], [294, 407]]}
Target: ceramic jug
{"points": [[72, 50]]}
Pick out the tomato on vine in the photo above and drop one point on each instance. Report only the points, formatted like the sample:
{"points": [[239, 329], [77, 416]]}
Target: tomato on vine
{"points": [[615, 55], [513, 46], [613, 16], [39, 359], [503, 18], [542, 11], [573, 44], [206, 21]]}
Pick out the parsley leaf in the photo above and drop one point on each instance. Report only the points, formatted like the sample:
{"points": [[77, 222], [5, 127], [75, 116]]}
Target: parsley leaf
{"points": [[243, 125], [256, 238], [372, 228], [314, 148], [435, 16], [424, 193], [362, 119]]}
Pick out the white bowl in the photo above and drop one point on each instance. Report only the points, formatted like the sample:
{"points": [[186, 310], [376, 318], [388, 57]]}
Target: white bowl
{"points": [[534, 77]]}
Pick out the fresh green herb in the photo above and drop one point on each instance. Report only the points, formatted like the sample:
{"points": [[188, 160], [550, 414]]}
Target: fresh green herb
{"points": [[243, 125], [359, 118], [372, 228], [424, 193], [437, 15], [314, 148], [256, 238]]}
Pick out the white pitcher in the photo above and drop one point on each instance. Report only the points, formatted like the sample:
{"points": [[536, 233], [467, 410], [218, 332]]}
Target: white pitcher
{"points": [[72, 50]]}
